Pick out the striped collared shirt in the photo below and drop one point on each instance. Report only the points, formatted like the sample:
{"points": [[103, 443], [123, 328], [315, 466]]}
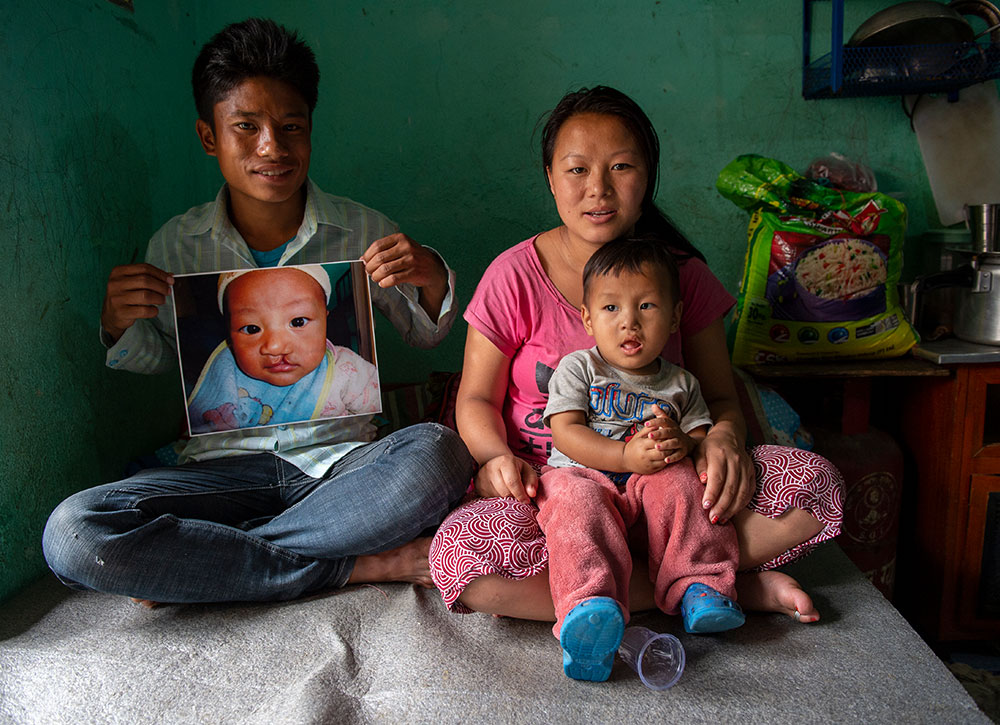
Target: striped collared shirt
{"points": [[333, 229]]}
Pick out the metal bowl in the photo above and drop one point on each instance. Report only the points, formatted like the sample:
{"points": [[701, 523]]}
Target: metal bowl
{"points": [[918, 22], [985, 11]]}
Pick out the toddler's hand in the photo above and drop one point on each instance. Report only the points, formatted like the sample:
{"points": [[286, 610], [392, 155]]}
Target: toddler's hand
{"points": [[642, 454], [672, 443]]}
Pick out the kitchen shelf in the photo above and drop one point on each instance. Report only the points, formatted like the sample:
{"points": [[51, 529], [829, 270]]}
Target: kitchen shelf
{"points": [[847, 72]]}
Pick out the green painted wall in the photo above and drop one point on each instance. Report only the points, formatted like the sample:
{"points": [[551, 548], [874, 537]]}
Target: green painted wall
{"points": [[427, 112], [94, 157]]}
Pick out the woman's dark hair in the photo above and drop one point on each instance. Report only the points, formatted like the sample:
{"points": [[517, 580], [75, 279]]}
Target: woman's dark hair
{"points": [[252, 48], [612, 102], [629, 254]]}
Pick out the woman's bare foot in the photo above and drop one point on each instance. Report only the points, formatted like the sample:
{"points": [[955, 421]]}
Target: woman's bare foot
{"points": [[408, 563], [774, 591]]}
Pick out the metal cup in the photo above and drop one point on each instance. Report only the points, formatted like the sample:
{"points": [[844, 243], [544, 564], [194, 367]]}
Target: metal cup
{"points": [[983, 221]]}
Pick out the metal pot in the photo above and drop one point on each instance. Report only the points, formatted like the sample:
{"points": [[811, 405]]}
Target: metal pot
{"points": [[977, 316], [976, 288]]}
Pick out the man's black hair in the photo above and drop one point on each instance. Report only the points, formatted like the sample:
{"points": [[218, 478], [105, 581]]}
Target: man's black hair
{"points": [[630, 254], [253, 48]]}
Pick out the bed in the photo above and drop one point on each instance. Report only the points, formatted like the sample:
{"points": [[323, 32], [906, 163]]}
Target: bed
{"points": [[392, 653]]}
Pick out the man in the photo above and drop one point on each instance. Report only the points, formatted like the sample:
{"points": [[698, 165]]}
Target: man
{"points": [[279, 512]]}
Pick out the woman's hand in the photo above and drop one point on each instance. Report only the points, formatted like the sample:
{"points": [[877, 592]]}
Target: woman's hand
{"points": [[720, 459], [485, 374], [727, 472], [507, 475]]}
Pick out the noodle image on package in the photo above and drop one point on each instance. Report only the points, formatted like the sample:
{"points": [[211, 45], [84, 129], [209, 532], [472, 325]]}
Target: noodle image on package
{"points": [[821, 269]]}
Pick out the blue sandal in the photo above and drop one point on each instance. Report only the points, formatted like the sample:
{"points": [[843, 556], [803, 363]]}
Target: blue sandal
{"points": [[706, 611], [590, 636]]}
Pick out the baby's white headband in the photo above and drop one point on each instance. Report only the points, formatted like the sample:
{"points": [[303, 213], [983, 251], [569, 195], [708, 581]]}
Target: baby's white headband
{"points": [[315, 271]]}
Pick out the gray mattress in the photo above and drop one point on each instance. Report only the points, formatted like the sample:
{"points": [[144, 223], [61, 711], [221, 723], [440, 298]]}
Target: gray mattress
{"points": [[392, 654]]}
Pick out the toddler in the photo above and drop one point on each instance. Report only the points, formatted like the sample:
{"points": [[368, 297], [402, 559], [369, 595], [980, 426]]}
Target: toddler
{"points": [[624, 422], [277, 365]]}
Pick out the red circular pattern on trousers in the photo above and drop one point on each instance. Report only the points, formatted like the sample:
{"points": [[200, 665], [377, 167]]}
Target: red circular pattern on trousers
{"points": [[501, 535]]}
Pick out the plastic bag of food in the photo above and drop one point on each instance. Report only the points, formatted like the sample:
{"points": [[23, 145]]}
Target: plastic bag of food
{"points": [[821, 270], [839, 171]]}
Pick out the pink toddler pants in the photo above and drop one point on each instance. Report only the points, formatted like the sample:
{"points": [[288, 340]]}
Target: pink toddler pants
{"points": [[501, 536], [588, 523]]}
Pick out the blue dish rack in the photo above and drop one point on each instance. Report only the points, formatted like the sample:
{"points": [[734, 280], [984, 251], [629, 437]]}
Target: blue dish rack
{"points": [[891, 70]]}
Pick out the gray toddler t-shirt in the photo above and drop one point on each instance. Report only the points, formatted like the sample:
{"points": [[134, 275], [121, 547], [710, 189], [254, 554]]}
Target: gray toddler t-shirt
{"points": [[616, 401]]}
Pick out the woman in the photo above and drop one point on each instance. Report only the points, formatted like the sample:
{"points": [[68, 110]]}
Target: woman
{"points": [[601, 155]]}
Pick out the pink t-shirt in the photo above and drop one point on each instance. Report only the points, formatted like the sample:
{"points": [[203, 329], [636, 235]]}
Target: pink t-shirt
{"points": [[518, 309]]}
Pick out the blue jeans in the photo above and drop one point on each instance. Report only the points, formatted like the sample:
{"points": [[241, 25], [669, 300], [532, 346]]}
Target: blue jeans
{"points": [[254, 527]]}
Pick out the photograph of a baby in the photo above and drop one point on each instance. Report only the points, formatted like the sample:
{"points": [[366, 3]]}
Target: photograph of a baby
{"points": [[273, 346]]}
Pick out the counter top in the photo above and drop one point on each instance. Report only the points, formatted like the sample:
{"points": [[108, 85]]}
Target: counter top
{"points": [[895, 367], [951, 350], [924, 360]]}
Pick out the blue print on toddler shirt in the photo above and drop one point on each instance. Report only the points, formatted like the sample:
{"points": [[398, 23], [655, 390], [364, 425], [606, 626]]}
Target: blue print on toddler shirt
{"points": [[609, 403]]}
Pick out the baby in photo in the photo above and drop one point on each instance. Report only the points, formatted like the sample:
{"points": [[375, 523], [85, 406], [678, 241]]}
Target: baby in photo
{"points": [[277, 365]]}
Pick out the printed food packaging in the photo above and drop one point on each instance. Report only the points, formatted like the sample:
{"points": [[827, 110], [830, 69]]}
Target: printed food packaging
{"points": [[821, 270]]}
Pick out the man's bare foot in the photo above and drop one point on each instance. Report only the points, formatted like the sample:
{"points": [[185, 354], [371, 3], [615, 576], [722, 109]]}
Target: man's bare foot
{"points": [[774, 591], [147, 603], [408, 563]]}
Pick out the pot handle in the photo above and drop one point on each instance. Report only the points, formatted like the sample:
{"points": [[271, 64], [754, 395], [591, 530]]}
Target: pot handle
{"points": [[959, 277]]}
